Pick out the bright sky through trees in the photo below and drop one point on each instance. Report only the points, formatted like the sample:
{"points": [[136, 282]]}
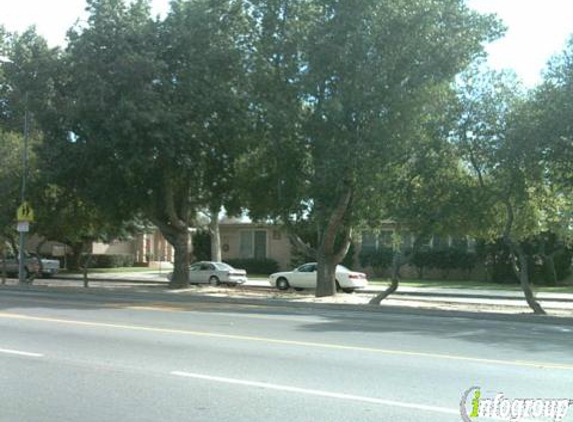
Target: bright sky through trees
{"points": [[537, 28]]}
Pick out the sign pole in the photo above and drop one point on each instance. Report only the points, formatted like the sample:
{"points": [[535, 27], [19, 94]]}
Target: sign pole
{"points": [[22, 254]]}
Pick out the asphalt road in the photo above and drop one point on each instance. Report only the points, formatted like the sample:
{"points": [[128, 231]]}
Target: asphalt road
{"points": [[78, 357]]}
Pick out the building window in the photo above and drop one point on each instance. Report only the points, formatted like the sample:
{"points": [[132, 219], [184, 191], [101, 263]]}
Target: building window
{"points": [[405, 240], [440, 242], [368, 242], [385, 239], [253, 244], [460, 243], [247, 241]]}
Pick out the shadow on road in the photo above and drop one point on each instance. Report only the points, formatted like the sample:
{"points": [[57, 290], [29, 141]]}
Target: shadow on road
{"points": [[388, 324]]}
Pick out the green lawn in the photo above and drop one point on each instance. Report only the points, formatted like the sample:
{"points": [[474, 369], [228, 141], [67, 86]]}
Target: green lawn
{"points": [[566, 287], [474, 285]]}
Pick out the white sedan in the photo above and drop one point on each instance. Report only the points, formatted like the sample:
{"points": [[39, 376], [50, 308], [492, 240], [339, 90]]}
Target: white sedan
{"points": [[304, 277], [214, 273]]}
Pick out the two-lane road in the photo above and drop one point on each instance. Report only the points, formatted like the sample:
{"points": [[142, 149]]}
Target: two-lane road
{"points": [[76, 357]]}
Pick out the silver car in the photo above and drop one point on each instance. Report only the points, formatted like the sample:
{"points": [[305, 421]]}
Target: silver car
{"points": [[214, 273], [31, 265], [49, 267]]}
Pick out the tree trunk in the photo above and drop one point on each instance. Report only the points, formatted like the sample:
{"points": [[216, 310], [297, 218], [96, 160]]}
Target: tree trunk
{"points": [[215, 232], [85, 269], [395, 277], [326, 275], [77, 250], [398, 261], [327, 255], [523, 273], [180, 243], [519, 258]]}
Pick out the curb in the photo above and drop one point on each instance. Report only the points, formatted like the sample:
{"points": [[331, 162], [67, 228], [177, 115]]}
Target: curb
{"points": [[144, 296]]}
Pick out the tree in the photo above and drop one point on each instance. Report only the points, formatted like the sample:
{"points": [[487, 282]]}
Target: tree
{"points": [[498, 140], [10, 183], [555, 112], [205, 46], [335, 83], [26, 89], [428, 192], [146, 100]]}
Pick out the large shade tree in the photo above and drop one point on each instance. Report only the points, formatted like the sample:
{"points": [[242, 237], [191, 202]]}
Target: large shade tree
{"points": [[146, 100], [26, 91], [336, 80], [510, 158]]}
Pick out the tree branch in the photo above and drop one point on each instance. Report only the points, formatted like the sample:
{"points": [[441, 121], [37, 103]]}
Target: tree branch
{"points": [[174, 219], [335, 220]]}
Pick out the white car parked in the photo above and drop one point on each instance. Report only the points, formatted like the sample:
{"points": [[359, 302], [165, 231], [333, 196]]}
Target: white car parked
{"points": [[304, 277], [214, 273]]}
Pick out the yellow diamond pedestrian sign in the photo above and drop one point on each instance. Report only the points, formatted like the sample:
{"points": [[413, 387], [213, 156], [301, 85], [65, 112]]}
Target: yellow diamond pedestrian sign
{"points": [[25, 213]]}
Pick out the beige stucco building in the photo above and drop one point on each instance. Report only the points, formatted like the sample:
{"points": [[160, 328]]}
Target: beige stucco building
{"points": [[244, 240]]}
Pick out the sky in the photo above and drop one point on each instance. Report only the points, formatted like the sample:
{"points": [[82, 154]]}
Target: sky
{"points": [[537, 29]]}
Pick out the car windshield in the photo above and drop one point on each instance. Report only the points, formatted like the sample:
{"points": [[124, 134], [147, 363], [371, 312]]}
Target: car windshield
{"points": [[223, 266]]}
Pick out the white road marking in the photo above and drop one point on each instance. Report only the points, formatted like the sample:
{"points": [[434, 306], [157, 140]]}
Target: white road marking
{"points": [[16, 352], [318, 393]]}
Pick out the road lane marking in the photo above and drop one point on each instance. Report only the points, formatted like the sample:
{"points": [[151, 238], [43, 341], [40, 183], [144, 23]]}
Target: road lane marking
{"points": [[330, 346], [19, 353], [175, 308], [320, 393]]}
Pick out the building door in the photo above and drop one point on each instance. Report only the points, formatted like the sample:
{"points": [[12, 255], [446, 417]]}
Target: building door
{"points": [[260, 244]]}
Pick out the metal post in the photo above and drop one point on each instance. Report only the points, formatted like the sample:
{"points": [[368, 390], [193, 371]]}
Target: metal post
{"points": [[22, 255]]}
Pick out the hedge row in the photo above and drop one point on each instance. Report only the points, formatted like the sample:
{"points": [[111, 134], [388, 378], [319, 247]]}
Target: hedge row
{"points": [[112, 261], [494, 256], [433, 259]]}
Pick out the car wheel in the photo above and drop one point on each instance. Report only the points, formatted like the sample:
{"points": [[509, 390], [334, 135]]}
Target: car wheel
{"points": [[282, 284], [338, 288], [349, 290], [299, 289], [213, 281]]}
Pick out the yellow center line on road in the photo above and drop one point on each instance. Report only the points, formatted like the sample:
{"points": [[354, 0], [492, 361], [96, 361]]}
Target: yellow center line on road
{"points": [[329, 346], [167, 307]]}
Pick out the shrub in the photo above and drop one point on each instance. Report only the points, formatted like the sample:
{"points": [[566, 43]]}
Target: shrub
{"points": [[444, 260], [255, 266], [112, 260], [497, 259], [379, 260], [563, 262]]}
